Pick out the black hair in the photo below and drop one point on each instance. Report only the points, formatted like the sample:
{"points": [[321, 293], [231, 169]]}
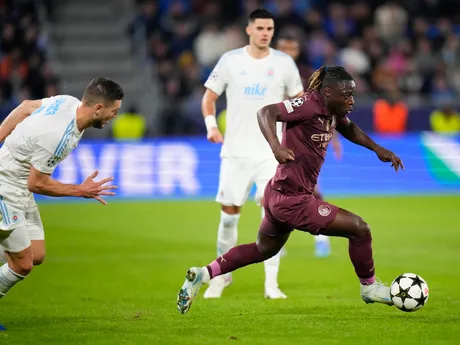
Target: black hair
{"points": [[327, 75], [102, 90], [260, 13]]}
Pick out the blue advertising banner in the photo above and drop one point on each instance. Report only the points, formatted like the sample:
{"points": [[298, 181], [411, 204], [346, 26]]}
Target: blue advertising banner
{"points": [[188, 168]]}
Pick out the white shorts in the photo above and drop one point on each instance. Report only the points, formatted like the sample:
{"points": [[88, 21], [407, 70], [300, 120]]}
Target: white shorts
{"points": [[20, 219], [238, 175]]}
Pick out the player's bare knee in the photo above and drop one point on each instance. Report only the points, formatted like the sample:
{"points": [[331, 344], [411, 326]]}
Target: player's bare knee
{"points": [[230, 216], [39, 250], [231, 209], [21, 266], [39, 255], [39, 260], [22, 262]]}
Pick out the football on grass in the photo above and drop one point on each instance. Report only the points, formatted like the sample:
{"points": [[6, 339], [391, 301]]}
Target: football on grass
{"points": [[409, 292]]}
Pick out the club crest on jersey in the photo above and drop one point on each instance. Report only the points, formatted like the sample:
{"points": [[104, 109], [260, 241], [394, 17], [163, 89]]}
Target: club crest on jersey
{"points": [[14, 217], [324, 210], [271, 71]]}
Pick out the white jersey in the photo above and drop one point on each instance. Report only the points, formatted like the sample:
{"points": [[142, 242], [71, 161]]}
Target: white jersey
{"points": [[42, 140], [251, 84]]}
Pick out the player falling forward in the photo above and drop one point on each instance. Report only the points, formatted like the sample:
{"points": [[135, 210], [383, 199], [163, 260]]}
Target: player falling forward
{"points": [[39, 134], [289, 200], [252, 77]]}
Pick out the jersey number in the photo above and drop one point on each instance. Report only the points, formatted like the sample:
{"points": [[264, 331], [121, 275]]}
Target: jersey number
{"points": [[51, 109]]}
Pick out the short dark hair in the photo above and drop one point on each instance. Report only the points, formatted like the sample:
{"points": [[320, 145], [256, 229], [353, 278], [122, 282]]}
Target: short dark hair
{"points": [[260, 13], [327, 75], [102, 90]]}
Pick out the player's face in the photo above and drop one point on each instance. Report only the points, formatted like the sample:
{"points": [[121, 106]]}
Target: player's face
{"points": [[289, 47], [261, 32], [340, 98], [105, 113]]}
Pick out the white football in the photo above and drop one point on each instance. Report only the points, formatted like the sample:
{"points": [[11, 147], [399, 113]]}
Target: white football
{"points": [[409, 292]]}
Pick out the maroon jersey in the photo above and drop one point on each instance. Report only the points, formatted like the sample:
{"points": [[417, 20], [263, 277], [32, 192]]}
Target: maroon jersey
{"points": [[307, 131]]}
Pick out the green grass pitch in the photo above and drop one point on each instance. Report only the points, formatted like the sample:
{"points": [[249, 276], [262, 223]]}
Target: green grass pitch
{"points": [[112, 273]]}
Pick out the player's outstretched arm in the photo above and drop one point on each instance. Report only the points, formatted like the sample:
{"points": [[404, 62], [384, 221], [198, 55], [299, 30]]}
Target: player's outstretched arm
{"points": [[267, 118], [41, 183], [17, 115], [353, 133]]}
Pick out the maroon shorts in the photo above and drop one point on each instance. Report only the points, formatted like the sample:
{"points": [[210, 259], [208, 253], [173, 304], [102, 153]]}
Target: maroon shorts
{"points": [[284, 213]]}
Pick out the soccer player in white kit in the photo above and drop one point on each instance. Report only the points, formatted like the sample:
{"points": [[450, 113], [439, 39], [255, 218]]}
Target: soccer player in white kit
{"points": [[38, 135], [252, 77]]}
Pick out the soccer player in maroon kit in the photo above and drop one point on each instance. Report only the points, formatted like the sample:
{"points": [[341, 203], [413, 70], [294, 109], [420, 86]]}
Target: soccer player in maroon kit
{"points": [[291, 46], [289, 201]]}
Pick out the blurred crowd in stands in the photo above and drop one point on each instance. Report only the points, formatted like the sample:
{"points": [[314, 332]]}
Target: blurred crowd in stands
{"points": [[402, 53], [406, 51], [24, 71]]}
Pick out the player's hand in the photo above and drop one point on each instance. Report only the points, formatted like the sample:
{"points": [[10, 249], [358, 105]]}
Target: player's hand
{"points": [[215, 136], [388, 156], [93, 189], [283, 154]]}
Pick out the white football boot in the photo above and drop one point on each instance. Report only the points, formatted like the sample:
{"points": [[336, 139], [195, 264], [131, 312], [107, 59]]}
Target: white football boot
{"points": [[194, 279], [273, 292], [376, 292]]}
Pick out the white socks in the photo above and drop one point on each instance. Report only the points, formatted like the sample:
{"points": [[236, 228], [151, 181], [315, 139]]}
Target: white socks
{"points": [[8, 279], [271, 266], [227, 234]]}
